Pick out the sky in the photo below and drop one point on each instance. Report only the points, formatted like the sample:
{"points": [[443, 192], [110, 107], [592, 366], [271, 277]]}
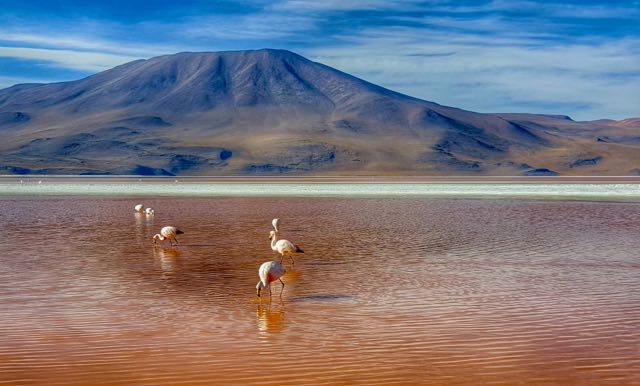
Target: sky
{"points": [[578, 58]]}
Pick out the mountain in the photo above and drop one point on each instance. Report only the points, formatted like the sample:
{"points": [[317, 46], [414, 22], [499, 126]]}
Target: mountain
{"points": [[273, 112]]}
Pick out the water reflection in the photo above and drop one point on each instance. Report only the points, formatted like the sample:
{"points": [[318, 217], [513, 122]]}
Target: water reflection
{"points": [[166, 252], [292, 275], [166, 257], [270, 317], [139, 220]]}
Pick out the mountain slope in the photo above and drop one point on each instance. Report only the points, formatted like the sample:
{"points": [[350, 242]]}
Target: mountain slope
{"points": [[272, 112]]}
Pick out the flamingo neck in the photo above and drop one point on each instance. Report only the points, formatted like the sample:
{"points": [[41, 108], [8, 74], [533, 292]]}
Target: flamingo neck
{"points": [[274, 239], [158, 236]]}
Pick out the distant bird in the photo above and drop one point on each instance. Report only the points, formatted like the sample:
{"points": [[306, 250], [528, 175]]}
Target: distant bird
{"points": [[149, 211], [168, 233], [284, 247], [276, 223], [270, 272], [139, 208]]}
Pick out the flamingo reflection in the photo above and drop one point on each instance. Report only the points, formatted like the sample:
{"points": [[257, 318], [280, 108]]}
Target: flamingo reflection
{"points": [[270, 319], [166, 257]]}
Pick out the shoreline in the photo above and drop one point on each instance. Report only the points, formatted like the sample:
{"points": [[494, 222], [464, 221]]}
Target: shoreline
{"points": [[5, 179], [621, 190]]}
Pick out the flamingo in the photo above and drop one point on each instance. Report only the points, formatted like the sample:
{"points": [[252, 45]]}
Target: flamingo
{"points": [[149, 211], [169, 233], [139, 208], [283, 247], [276, 223], [270, 272]]}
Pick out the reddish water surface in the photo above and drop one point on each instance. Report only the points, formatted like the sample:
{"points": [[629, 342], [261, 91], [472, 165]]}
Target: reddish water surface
{"points": [[389, 291]]}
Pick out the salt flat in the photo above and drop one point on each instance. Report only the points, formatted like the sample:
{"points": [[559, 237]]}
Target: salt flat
{"points": [[606, 189]]}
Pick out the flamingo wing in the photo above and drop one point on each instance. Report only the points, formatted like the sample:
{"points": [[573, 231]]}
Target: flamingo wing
{"points": [[285, 246]]}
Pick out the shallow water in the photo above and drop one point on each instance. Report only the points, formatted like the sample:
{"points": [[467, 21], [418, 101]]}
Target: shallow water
{"points": [[389, 291]]}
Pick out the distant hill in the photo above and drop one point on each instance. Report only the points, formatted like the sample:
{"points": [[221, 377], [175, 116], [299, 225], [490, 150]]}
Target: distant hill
{"points": [[274, 112]]}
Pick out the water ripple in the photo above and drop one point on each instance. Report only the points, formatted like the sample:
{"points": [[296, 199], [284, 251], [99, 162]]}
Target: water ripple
{"points": [[388, 291]]}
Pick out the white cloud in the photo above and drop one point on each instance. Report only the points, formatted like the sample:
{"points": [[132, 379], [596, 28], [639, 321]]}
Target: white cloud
{"points": [[77, 60]]}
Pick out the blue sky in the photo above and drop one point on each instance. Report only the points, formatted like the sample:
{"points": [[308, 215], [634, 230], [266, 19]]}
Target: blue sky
{"points": [[580, 58]]}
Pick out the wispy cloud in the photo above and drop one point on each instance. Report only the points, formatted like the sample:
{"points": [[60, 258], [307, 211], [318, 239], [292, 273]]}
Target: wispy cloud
{"points": [[575, 10], [76, 43], [89, 61], [260, 27], [479, 67], [342, 5]]}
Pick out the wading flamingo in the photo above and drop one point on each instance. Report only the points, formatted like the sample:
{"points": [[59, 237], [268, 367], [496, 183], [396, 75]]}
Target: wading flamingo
{"points": [[276, 223], [149, 211], [168, 233], [284, 247], [270, 272], [139, 208]]}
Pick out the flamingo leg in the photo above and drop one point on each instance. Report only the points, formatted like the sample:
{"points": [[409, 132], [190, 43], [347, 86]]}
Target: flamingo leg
{"points": [[292, 262], [282, 290]]}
